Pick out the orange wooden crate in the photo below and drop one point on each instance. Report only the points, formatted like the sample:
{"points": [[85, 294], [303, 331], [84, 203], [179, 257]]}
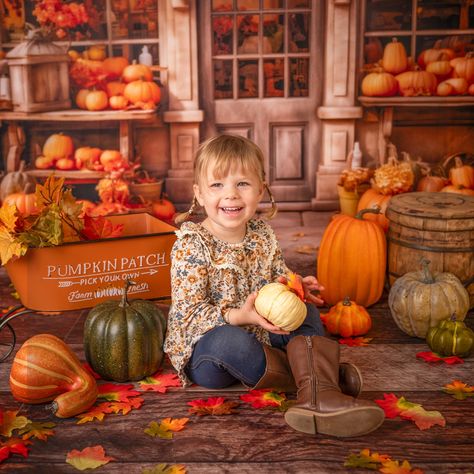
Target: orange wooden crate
{"points": [[82, 274]]}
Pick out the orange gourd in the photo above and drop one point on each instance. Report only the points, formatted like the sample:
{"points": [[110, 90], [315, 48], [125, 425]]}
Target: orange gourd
{"points": [[142, 91], [352, 259], [46, 369], [25, 202], [114, 66], [379, 84], [58, 146], [135, 72], [347, 319], [416, 82], [394, 58], [372, 199], [461, 174]]}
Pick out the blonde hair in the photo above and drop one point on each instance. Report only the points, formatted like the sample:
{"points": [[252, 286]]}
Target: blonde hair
{"points": [[224, 153]]}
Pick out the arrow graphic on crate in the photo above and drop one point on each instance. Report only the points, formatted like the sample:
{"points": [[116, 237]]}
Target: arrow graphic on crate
{"points": [[67, 283], [152, 271]]}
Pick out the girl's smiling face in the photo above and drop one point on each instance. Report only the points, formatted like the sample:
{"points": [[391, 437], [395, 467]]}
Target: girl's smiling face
{"points": [[230, 201]]}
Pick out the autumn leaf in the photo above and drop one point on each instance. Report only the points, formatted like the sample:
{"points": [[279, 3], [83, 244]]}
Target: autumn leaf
{"points": [[459, 390], [295, 284], [263, 398], [394, 467], [38, 429], [365, 459], [394, 406], [50, 192], [10, 247], [71, 217], [355, 341], [89, 458], [429, 356], [174, 424], [166, 428], [9, 216], [13, 446], [47, 230], [166, 469], [159, 382], [100, 228], [125, 407], [212, 406], [96, 412], [9, 422], [116, 393]]}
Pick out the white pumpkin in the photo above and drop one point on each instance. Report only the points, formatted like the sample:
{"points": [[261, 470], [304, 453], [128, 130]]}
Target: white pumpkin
{"points": [[281, 306]]}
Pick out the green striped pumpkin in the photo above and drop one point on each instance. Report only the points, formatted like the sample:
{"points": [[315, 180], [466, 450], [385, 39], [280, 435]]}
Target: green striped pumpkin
{"points": [[123, 340]]}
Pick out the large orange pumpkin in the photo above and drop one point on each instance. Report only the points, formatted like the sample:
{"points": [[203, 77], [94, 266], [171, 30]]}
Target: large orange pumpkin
{"points": [[371, 199], [142, 91], [352, 259], [46, 369]]}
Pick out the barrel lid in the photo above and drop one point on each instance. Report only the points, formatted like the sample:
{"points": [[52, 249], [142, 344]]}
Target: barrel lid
{"points": [[433, 205]]}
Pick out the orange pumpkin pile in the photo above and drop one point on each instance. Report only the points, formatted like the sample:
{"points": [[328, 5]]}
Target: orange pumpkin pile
{"points": [[439, 71], [111, 82]]}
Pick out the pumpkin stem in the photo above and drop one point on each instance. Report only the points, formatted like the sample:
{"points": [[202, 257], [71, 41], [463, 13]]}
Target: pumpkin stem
{"points": [[425, 268], [458, 162], [346, 301], [372, 210], [124, 301]]}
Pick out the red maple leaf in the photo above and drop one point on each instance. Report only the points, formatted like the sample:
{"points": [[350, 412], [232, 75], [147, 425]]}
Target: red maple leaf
{"points": [[266, 397], [100, 228], [212, 406], [116, 393], [96, 412], [355, 341], [13, 446], [429, 356], [159, 382]]}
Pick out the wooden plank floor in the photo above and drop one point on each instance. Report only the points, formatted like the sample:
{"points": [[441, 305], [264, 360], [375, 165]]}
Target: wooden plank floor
{"points": [[259, 441]]}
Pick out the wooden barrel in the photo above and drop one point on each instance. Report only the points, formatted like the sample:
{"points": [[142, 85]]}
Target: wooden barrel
{"points": [[437, 226]]}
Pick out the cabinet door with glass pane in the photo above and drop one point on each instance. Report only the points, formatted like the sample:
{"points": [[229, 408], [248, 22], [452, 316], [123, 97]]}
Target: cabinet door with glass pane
{"points": [[260, 75]]}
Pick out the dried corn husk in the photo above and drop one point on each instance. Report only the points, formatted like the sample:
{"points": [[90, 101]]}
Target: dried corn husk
{"points": [[353, 179], [394, 177]]}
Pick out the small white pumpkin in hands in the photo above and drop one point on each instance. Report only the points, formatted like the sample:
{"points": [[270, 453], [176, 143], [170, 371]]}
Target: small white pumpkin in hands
{"points": [[282, 304]]}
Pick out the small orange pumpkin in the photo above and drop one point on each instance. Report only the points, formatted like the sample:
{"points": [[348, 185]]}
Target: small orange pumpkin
{"points": [[465, 68], [371, 199], [394, 58], [347, 319], [58, 146], [114, 88], [118, 102], [142, 91], [86, 155], [441, 69], [431, 184], [163, 209], [97, 100], [461, 174], [458, 190], [435, 54], [379, 84], [81, 98], [24, 202], [135, 72]]}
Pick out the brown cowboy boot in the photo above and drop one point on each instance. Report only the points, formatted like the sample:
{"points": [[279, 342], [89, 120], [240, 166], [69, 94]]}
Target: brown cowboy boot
{"points": [[278, 374], [320, 405]]}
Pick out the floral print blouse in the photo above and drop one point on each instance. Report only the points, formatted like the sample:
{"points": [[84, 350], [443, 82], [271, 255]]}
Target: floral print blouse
{"points": [[209, 277]]}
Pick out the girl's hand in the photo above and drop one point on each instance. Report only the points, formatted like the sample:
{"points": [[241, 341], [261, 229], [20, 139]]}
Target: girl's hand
{"points": [[309, 284], [247, 315]]}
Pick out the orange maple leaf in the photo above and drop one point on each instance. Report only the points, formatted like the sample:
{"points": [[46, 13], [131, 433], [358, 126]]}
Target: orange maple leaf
{"points": [[174, 424], [355, 341], [125, 407], [459, 390], [9, 216], [89, 458], [366, 459], [296, 285], [9, 421], [263, 398], [38, 429], [96, 412], [212, 406], [159, 382], [116, 393], [100, 228], [394, 467]]}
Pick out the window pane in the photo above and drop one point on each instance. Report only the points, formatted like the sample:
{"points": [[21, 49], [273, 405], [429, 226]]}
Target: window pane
{"points": [[248, 78], [298, 25], [274, 74], [273, 33], [388, 15], [298, 4], [221, 5], [247, 30], [247, 5], [299, 77], [432, 15], [272, 4], [222, 28], [223, 79]]}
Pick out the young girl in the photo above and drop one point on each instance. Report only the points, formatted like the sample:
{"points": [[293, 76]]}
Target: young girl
{"points": [[216, 337]]}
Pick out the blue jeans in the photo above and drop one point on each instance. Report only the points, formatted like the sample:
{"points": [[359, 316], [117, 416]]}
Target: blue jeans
{"points": [[229, 354]]}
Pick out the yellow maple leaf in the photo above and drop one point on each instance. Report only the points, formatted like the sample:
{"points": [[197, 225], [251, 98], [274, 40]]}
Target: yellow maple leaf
{"points": [[89, 458], [9, 247], [10, 422], [9, 216], [50, 192]]}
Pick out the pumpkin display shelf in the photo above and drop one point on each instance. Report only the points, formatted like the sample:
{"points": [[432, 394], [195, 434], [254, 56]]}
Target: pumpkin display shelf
{"points": [[124, 118]]}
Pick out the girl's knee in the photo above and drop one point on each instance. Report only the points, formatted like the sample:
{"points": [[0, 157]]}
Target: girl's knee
{"points": [[312, 324]]}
